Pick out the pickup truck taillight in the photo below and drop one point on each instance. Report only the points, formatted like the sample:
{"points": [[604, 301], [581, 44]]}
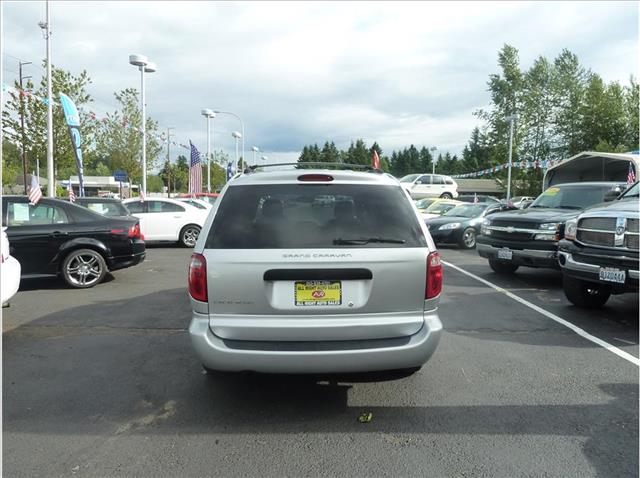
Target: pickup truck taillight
{"points": [[434, 276], [198, 277]]}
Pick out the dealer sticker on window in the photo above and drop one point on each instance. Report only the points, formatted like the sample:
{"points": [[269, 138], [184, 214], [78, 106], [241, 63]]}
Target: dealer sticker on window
{"points": [[318, 293]]}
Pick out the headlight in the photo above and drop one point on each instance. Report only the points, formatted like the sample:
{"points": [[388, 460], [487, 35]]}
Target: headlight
{"points": [[549, 226], [486, 222], [550, 232], [571, 229], [452, 225]]}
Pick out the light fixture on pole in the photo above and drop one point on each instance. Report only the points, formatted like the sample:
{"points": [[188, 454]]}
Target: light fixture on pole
{"points": [[264, 158], [433, 150], [237, 135], [46, 31], [255, 149], [145, 66], [209, 114], [511, 119], [241, 126]]}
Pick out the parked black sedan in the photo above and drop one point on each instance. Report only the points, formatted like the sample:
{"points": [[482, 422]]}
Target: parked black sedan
{"points": [[55, 237], [461, 224]]}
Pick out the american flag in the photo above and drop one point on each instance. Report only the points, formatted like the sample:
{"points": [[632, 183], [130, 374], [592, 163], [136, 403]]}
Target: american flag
{"points": [[375, 160], [35, 194], [72, 195], [195, 171], [631, 175]]}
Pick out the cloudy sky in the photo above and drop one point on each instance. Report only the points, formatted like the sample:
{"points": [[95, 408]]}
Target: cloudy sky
{"points": [[304, 72]]}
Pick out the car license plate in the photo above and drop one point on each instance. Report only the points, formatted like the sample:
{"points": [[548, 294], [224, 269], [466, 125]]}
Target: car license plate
{"points": [[318, 293], [611, 274], [505, 253]]}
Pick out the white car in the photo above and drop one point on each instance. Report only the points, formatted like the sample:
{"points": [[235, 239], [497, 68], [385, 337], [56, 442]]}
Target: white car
{"points": [[164, 219], [430, 186], [10, 271], [199, 203]]}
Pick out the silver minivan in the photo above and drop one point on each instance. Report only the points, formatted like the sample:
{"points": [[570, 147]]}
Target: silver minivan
{"points": [[314, 271]]}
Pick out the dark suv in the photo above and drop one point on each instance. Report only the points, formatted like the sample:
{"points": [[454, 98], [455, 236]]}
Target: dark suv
{"points": [[529, 237], [599, 252]]}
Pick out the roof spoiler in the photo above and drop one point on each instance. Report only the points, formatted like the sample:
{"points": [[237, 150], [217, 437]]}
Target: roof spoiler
{"points": [[318, 165]]}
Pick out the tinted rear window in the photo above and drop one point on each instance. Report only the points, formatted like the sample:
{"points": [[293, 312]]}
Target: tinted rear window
{"points": [[313, 216]]}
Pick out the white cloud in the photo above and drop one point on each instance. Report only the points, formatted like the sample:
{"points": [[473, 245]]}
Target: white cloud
{"points": [[393, 72]]}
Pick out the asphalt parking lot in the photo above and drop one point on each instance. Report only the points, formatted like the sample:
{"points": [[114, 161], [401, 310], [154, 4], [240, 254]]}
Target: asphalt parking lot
{"points": [[103, 382]]}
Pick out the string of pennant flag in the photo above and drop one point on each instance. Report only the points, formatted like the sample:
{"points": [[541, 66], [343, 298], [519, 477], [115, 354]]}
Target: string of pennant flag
{"points": [[27, 94], [544, 164]]}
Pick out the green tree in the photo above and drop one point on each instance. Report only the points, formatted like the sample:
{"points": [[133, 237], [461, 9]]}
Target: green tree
{"points": [[119, 140], [35, 114], [11, 162], [329, 153]]}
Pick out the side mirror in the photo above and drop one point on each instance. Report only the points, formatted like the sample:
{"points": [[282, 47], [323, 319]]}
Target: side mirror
{"points": [[612, 195]]}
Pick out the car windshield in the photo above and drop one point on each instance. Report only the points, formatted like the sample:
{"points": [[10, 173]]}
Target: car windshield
{"points": [[314, 216], [632, 192], [410, 178], [466, 210], [424, 203], [440, 207], [106, 208], [571, 196]]}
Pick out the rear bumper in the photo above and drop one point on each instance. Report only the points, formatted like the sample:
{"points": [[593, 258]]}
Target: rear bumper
{"points": [[136, 257], [314, 356]]}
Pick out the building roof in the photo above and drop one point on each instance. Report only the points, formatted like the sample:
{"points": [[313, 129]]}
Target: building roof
{"points": [[491, 186]]}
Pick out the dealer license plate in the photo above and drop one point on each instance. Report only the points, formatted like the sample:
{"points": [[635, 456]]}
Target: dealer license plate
{"points": [[611, 274], [318, 293], [506, 254]]}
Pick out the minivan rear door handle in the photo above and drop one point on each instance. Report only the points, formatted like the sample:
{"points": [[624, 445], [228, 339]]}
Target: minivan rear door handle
{"points": [[317, 274]]}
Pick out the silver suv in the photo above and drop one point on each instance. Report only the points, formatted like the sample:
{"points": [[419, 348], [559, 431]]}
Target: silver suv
{"points": [[314, 271]]}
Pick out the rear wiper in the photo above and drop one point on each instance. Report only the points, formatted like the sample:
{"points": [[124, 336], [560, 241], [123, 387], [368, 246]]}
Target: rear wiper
{"points": [[356, 242]]}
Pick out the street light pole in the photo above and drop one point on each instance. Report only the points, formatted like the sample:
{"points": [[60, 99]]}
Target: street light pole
{"points": [[241, 127], [511, 120], [433, 150], [24, 150], [145, 66], [207, 113], [169, 161], [255, 149], [237, 136], [51, 184]]}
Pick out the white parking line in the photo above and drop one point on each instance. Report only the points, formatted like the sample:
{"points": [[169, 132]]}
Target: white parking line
{"points": [[554, 317]]}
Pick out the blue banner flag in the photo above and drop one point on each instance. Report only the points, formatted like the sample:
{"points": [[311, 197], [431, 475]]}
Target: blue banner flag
{"points": [[73, 121], [229, 170]]}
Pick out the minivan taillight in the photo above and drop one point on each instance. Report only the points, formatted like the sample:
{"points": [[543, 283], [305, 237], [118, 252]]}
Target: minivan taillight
{"points": [[434, 276], [198, 277]]}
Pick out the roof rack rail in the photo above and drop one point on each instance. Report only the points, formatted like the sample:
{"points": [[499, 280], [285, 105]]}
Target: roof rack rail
{"points": [[345, 166]]}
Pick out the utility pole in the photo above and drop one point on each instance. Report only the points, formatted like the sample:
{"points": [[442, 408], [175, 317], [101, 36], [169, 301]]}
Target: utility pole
{"points": [[24, 151], [168, 167]]}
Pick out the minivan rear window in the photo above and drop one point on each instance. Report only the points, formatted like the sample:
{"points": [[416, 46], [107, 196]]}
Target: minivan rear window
{"points": [[304, 216]]}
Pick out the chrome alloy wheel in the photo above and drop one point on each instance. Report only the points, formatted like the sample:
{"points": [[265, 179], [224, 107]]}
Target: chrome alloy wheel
{"points": [[84, 269]]}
